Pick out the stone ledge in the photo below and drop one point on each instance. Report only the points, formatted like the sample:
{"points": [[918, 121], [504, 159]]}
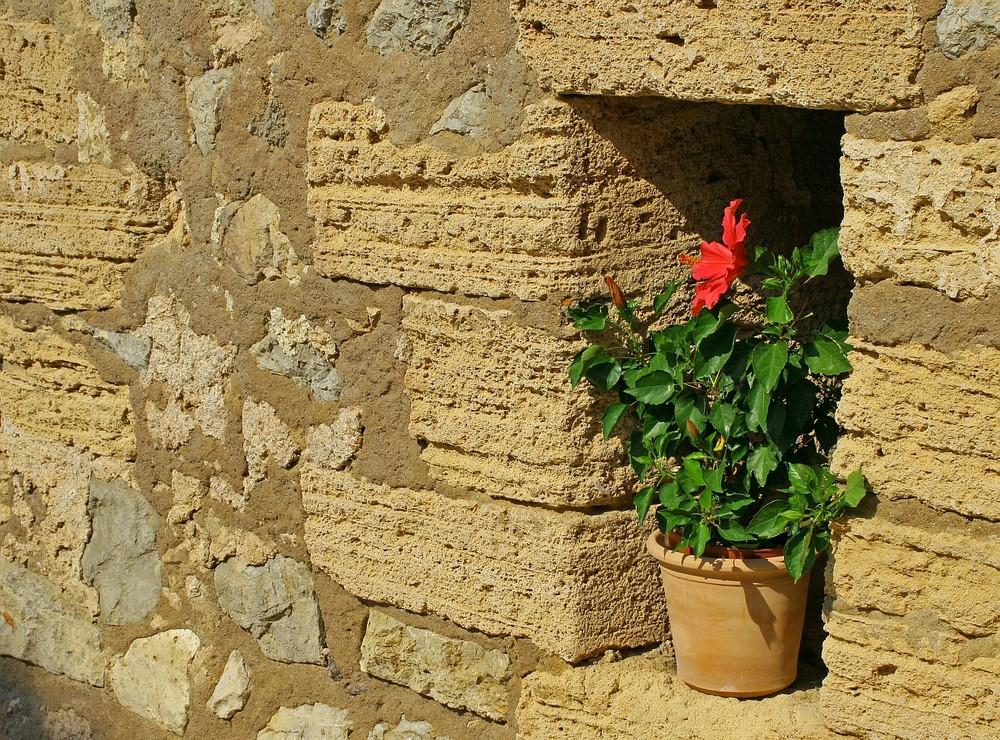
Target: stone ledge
{"points": [[640, 697], [574, 584], [807, 53]]}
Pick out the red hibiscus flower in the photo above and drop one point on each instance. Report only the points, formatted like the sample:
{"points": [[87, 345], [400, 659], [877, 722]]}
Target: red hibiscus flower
{"points": [[719, 264]]}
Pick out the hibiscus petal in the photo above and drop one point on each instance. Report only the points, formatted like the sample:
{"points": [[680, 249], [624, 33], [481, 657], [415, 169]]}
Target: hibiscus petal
{"points": [[707, 293], [733, 231], [716, 261]]}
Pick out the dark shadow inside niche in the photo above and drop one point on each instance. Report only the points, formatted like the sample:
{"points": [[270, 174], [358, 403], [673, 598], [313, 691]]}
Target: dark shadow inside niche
{"points": [[785, 165]]}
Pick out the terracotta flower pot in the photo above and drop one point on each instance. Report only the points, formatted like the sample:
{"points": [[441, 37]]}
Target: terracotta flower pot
{"points": [[736, 622]]}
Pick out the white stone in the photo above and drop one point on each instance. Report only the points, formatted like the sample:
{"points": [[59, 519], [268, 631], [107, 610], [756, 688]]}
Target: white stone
{"points": [[968, 25], [422, 27], [152, 678], [308, 722], [457, 673], [204, 101], [466, 114], [233, 689], [46, 628], [302, 351], [265, 437], [333, 446]]}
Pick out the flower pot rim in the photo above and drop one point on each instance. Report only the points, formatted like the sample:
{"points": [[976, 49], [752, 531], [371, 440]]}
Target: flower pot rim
{"points": [[717, 567]]}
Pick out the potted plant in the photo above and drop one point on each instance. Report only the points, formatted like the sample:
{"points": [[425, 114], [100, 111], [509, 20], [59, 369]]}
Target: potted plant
{"points": [[727, 419]]}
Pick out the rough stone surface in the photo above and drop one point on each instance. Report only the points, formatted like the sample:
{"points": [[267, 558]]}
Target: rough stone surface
{"points": [[922, 213], [302, 351], [333, 446], [92, 136], [204, 102], [233, 689], [48, 485], [914, 626], [121, 559], [477, 563], [115, 16], [325, 18], [253, 243], [49, 388], [194, 368], [68, 234], [406, 730], [457, 673], [265, 437], [809, 53], [968, 25], [37, 87], [46, 627], [422, 27], [308, 721], [497, 423], [133, 350], [923, 424], [466, 114], [276, 604], [640, 697], [152, 678]]}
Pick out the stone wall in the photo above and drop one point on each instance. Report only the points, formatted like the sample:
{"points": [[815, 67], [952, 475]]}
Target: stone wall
{"points": [[286, 435]]}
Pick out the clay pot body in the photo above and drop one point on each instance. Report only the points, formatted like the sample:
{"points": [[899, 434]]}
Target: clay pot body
{"points": [[736, 623]]}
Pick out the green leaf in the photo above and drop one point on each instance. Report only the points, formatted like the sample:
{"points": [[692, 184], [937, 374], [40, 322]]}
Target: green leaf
{"points": [[669, 494], [777, 310], [799, 553], [820, 252], [586, 359], [605, 375], [856, 489], [714, 350], [660, 302], [768, 361], [722, 417], [826, 357], [654, 388], [761, 462], [701, 539], [611, 417], [801, 477], [760, 401], [589, 318], [732, 531], [767, 522], [642, 501]]}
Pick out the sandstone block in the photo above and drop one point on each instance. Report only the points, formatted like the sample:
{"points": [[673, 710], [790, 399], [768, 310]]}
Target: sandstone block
{"points": [[924, 424], [49, 388], [121, 559], [640, 697], [275, 602], [457, 673], [152, 678], [39, 104], [551, 213], [307, 721], [913, 625], [233, 689], [69, 234], [807, 53], [494, 403], [922, 213], [575, 584], [46, 627]]}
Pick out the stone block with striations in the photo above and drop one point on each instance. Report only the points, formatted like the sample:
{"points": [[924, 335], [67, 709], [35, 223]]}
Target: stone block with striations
{"points": [[575, 584]]}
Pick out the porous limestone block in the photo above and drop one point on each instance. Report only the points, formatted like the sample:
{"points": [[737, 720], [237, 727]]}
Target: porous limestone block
{"points": [[46, 627], [924, 424], [457, 673], [860, 55], [493, 401], [575, 584], [37, 99], [152, 677], [922, 213], [551, 213], [914, 625], [69, 234], [640, 697], [49, 388]]}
